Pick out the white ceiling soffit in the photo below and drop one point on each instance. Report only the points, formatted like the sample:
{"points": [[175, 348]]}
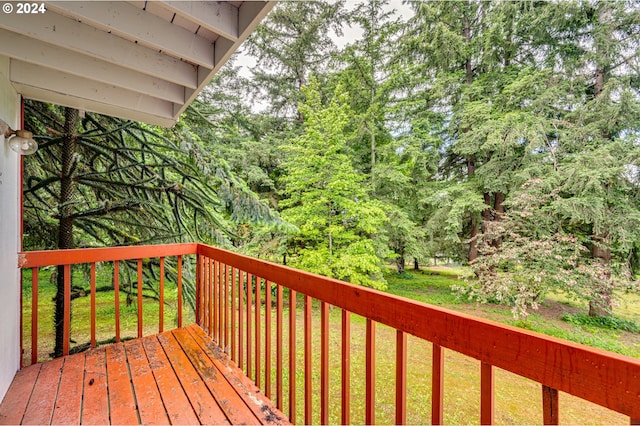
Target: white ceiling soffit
{"points": [[139, 60]]}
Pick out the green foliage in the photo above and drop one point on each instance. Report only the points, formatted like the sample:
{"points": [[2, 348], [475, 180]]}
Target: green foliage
{"points": [[326, 199], [608, 322], [528, 253], [134, 184]]}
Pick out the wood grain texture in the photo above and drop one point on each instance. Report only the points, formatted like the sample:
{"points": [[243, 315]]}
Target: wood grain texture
{"points": [[230, 402], [177, 377], [150, 407], [15, 402], [261, 407], [175, 400], [122, 403], [40, 407], [550, 406], [486, 394], [95, 407], [69, 402], [205, 406], [437, 385]]}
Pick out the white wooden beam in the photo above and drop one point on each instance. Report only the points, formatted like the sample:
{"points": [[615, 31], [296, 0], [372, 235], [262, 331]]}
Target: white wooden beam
{"points": [[49, 56], [138, 25], [63, 99], [218, 17], [56, 81], [250, 15], [71, 34]]}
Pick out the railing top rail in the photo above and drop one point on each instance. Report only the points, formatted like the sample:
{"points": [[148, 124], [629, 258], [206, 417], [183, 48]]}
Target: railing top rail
{"points": [[602, 377], [32, 259]]}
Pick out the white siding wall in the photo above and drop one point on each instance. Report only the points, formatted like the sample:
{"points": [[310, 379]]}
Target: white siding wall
{"points": [[9, 236]]}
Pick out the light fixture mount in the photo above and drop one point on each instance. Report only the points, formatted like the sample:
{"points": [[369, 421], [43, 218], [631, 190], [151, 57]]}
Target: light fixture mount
{"points": [[20, 141]]}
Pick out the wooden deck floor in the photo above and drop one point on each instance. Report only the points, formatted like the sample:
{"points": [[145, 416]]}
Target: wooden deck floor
{"points": [[177, 377]]}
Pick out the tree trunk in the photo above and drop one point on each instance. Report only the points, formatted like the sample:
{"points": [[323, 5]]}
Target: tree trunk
{"points": [[400, 264], [473, 243], [602, 305], [65, 210]]}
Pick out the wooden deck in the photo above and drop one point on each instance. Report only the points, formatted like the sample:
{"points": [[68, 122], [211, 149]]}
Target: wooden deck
{"points": [[176, 377]]}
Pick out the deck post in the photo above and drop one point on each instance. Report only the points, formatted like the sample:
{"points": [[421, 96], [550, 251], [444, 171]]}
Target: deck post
{"points": [[550, 412], [486, 394]]}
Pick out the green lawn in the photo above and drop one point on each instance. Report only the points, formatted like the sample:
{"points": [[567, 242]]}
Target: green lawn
{"points": [[518, 401], [433, 285]]}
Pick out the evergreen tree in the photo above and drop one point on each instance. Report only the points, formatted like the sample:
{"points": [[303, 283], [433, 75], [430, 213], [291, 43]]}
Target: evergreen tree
{"points": [[293, 43], [326, 198], [102, 181]]}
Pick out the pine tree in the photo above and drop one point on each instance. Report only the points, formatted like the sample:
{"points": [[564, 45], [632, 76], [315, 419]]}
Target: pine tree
{"points": [[326, 198]]}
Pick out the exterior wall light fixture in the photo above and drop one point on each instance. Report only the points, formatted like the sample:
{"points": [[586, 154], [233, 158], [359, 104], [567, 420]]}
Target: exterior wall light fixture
{"points": [[20, 141]]}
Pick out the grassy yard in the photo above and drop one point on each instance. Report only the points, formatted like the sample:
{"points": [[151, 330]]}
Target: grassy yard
{"points": [[433, 285], [518, 401]]}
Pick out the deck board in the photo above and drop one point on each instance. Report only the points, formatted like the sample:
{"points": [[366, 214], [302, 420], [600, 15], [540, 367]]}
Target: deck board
{"points": [[230, 402], [202, 401], [152, 410], [43, 398], [18, 395], [176, 377], [257, 402], [67, 410], [121, 400], [175, 400], [95, 409]]}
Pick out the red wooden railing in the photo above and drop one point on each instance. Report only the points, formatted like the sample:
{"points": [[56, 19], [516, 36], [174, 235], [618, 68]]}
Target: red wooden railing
{"points": [[228, 305], [66, 258]]}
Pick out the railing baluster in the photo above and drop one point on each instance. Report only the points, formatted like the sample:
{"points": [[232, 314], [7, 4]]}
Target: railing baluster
{"points": [[116, 296], [217, 299], [267, 339], [233, 315], [66, 323], [486, 394], [437, 385], [180, 291], [34, 315], [241, 300], [401, 377], [199, 284], [258, 333], [139, 297], [279, 347], [370, 393], [308, 372], [204, 295], [93, 304], [213, 300], [292, 356], [249, 308], [346, 367], [550, 406], [324, 363], [226, 309], [161, 307]]}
